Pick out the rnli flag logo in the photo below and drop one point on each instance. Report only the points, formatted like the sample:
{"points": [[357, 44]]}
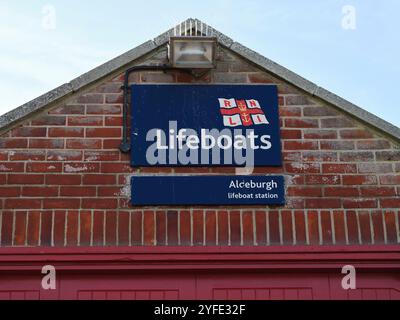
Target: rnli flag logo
{"points": [[241, 112]]}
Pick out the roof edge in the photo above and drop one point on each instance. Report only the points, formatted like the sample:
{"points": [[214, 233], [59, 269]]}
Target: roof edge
{"points": [[113, 65]]}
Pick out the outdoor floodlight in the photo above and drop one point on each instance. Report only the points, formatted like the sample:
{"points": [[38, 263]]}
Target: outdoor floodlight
{"points": [[192, 52]]}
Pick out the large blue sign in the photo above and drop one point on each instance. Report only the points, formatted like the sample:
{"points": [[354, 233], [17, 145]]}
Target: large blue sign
{"points": [[205, 125], [207, 190]]}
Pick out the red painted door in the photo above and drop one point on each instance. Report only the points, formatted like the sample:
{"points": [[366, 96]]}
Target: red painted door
{"points": [[203, 286]]}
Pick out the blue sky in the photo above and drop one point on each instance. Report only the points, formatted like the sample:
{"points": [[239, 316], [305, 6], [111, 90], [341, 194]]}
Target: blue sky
{"points": [[38, 53]]}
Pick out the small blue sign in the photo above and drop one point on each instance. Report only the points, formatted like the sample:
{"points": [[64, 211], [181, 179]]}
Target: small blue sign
{"points": [[205, 125], [207, 190]]}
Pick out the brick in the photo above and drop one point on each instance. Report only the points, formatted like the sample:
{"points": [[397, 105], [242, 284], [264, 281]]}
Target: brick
{"points": [[338, 122], [289, 112], [300, 145], [42, 167], [390, 223], [375, 167], [100, 203], [103, 132], [248, 228], [72, 228], [66, 132], [223, 228], [64, 155], [46, 229], [116, 167], [110, 87], [103, 109], [68, 109], [148, 225], [31, 155], [102, 156], [111, 228], [390, 203], [319, 156], [9, 192], [274, 230], [33, 228], [20, 228], [78, 191], [123, 229], [323, 179], [313, 229], [339, 168], [326, 228], [59, 228], [4, 155], [83, 144], [111, 143], [41, 192], [136, 227], [61, 203], [85, 228], [108, 191], [341, 192], [323, 203], [46, 143], [359, 203], [25, 179], [223, 77], [261, 230], [211, 228], [340, 231], [320, 134], [235, 228], [318, 111], [290, 134], [377, 225], [378, 192], [388, 155], [99, 179], [352, 227], [198, 227], [301, 123], [90, 98], [172, 228], [114, 98], [300, 228], [63, 179], [161, 228], [390, 180], [78, 167], [7, 228], [355, 134], [85, 121], [13, 143], [365, 227], [50, 121], [297, 100], [373, 144], [287, 227], [157, 77], [98, 228], [337, 145], [356, 156], [113, 121], [302, 191], [359, 180], [11, 167], [29, 132], [185, 229], [295, 167]]}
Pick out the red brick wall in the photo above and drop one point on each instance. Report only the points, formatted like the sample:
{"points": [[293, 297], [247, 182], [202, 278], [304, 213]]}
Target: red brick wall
{"points": [[63, 181]]}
